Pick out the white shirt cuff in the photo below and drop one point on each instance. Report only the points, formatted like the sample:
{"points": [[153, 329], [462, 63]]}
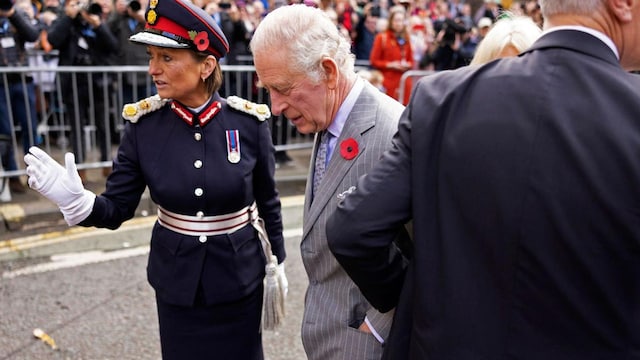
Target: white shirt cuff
{"points": [[373, 331]]}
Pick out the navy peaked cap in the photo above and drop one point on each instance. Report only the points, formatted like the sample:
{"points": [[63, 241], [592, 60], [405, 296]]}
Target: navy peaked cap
{"points": [[182, 25]]}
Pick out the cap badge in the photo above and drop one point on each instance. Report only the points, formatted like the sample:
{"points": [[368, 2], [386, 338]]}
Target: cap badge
{"points": [[152, 16], [233, 146]]}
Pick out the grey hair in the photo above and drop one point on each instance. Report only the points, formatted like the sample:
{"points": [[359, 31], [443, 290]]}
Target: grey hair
{"points": [[307, 35], [578, 7]]}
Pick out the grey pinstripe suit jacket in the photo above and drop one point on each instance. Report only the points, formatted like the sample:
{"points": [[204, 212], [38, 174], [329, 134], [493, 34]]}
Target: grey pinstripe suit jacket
{"points": [[334, 307]]}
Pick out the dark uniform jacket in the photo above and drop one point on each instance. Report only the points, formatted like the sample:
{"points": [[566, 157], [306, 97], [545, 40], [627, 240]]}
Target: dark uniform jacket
{"points": [[522, 177], [186, 168]]}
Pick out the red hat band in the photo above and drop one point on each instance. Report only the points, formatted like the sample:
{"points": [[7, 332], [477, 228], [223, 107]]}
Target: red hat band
{"points": [[166, 27]]}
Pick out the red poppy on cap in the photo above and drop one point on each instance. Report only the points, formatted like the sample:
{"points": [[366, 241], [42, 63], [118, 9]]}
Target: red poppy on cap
{"points": [[202, 41]]}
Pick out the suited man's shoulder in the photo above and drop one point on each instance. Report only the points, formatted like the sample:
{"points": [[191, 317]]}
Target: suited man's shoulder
{"points": [[448, 79], [387, 108], [383, 99]]}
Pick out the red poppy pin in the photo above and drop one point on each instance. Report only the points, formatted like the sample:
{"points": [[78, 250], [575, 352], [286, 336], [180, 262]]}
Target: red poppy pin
{"points": [[202, 41], [349, 148]]}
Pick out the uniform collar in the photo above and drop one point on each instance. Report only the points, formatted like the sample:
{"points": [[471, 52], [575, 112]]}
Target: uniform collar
{"points": [[202, 118]]}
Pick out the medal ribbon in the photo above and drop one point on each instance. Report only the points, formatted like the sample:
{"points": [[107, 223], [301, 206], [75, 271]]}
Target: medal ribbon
{"points": [[233, 145]]}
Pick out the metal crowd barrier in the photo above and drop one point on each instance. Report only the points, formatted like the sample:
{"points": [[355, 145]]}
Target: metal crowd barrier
{"points": [[414, 76], [54, 120]]}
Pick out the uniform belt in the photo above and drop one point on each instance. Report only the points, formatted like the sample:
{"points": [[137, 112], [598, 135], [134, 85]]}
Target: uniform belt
{"points": [[202, 226], [207, 225]]}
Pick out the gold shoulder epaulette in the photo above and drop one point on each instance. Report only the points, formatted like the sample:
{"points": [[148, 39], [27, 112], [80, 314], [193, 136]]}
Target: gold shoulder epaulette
{"points": [[261, 111], [134, 111]]}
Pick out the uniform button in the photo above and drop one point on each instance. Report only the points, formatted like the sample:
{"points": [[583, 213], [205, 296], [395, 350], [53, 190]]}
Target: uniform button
{"points": [[197, 164], [197, 136], [202, 239], [198, 192], [200, 214]]}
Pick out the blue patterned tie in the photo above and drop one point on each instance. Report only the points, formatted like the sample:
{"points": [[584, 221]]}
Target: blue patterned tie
{"points": [[321, 160]]}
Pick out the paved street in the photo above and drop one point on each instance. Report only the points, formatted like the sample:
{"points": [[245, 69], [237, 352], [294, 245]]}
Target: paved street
{"points": [[97, 304]]}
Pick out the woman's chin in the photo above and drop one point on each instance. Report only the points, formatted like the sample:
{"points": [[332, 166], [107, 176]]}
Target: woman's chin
{"points": [[163, 93]]}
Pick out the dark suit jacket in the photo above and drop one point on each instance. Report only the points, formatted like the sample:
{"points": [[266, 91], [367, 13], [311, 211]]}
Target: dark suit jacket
{"points": [[523, 180]]}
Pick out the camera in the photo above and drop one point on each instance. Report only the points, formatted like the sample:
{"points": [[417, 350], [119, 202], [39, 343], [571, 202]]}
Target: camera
{"points": [[6, 5], [376, 11], [90, 7], [134, 5], [452, 26]]}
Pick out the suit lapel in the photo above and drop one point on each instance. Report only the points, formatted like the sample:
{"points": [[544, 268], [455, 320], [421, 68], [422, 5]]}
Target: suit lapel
{"points": [[309, 184], [360, 120]]}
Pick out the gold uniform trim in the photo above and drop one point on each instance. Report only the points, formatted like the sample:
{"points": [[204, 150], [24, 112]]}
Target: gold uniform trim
{"points": [[261, 111], [134, 111]]}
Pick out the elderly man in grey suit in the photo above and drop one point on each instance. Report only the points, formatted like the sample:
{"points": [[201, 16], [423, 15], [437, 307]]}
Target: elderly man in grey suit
{"points": [[308, 69]]}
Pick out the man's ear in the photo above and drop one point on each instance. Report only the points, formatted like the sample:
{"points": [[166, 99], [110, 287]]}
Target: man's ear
{"points": [[622, 9], [330, 72]]}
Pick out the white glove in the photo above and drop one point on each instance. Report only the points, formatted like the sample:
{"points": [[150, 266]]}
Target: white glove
{"points": [[282, 278], [61, 185]]}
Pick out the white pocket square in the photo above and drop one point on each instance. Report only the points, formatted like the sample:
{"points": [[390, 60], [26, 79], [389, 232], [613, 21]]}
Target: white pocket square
{"points": [[344, 194]]}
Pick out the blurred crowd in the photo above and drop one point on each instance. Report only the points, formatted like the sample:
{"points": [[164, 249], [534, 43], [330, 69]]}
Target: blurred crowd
{"points": [[432, 34], [388, 37]]}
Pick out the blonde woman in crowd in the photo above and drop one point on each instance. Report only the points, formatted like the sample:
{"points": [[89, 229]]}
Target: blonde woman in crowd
{"points": [[509, 36]]}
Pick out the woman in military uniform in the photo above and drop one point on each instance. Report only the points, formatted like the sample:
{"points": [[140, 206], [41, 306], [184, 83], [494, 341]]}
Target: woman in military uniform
{"points": [[209, 165]]}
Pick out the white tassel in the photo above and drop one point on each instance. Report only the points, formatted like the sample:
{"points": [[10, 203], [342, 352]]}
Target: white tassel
{"points": [[273, 302], [274, 288]]}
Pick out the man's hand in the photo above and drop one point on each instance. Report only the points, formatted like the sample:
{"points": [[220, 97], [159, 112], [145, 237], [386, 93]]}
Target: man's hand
{"points": [[92, 19], [364, 328], [7, 13]]}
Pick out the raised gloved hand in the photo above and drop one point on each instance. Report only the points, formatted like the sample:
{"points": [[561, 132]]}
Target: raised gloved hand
{"points": [[62, 185], [282, 278]]}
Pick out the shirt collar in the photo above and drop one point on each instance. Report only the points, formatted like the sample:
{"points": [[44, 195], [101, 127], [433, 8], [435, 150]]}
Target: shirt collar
{"points": [[345, 109], [603, 37]]}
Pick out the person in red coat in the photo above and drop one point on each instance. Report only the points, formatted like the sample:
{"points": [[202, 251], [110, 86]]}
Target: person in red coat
{"points": [[392, 54]]}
